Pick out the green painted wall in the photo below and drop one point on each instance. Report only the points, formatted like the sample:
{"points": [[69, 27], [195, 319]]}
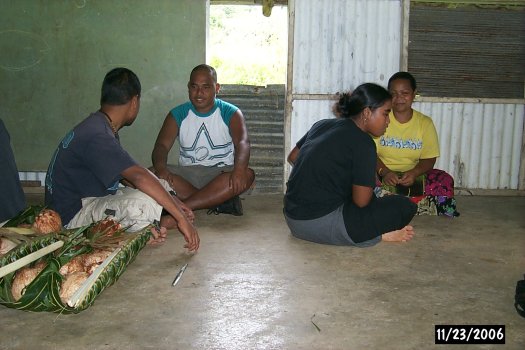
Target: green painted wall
{"points": [[54, 55]]}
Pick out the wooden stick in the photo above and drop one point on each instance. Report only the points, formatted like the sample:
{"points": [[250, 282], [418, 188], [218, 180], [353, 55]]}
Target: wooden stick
{"points": [[19, 230], [29, 258], [81, 292]]}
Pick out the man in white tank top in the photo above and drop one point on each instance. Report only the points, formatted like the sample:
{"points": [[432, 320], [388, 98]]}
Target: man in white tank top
{"points": [[214, 148]]}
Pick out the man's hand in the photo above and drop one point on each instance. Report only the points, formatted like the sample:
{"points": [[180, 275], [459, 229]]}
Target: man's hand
{"points": [[188, 212], [158, 236], [238, 180], [190, 235], [170, 178], [146, 182]]}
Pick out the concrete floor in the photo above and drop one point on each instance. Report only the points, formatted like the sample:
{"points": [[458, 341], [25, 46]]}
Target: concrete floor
{"points": [[253, 286]]}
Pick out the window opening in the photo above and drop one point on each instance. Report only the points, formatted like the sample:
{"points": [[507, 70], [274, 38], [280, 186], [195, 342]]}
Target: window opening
{"points": [[246, 47]]}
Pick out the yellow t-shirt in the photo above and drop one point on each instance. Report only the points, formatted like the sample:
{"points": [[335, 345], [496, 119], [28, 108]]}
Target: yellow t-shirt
{"points": [[403, 145]]}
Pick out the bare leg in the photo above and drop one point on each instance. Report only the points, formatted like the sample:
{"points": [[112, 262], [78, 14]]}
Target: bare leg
{"points": [[214, 193], [217, 191], [183, 187], [403, 235], [168, 222]]}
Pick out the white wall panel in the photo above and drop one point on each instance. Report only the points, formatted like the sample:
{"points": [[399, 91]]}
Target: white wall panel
{"points": [[33, 176], [480, 144], [339, 44], [305, 114]]}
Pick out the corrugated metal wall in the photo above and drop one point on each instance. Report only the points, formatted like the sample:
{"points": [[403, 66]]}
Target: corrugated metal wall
{"points": [[263, 109], [453, 50], [338, 44], [305, 114], [480, 143]]}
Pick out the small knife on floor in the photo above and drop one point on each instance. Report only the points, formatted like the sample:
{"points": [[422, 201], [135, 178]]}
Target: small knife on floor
{"points": [[179, 275]]}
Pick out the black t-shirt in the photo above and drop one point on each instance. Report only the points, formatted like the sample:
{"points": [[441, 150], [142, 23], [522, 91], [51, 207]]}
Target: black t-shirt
{"points": [[334, 155], [87, 163]]}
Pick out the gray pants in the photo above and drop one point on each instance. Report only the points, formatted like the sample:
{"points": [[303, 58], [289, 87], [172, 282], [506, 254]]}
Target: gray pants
{"points": [[199, 175], [328, 229]]}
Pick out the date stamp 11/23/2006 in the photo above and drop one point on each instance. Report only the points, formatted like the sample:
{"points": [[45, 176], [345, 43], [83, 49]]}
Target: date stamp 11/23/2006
{"points": [[469, 334]]}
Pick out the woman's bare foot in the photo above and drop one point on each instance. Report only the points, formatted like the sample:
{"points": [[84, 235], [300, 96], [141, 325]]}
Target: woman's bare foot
{"points": [[159, 236], [403, 235]]}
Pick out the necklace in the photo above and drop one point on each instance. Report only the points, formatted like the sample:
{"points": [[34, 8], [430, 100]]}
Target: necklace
{"points": [[113, 128]]}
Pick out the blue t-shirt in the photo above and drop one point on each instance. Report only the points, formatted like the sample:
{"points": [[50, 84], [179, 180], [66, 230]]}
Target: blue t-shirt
{"points": [[334, 155], [87, 163]]}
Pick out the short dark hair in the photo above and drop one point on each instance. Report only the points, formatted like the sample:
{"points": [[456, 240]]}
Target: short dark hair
{"points": [[405, 76], [350, 105], [205, 67], [119, 87]]}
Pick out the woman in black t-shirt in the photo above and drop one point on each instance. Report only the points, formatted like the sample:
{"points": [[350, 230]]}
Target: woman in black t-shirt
{"points": [[329, 197]]}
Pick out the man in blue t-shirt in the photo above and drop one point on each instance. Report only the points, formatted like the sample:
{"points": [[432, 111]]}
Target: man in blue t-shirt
{"points": [[214, 148], [90, 162]]}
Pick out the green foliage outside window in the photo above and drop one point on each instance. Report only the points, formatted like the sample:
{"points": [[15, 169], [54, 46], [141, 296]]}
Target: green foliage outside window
{"points": [[246, 47]]}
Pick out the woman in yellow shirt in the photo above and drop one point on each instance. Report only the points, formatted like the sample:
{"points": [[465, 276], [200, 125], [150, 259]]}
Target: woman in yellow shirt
{"points": [[408, 151]]}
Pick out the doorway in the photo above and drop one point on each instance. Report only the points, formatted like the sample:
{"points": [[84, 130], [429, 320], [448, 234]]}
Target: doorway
{"points": [[249, 52]]}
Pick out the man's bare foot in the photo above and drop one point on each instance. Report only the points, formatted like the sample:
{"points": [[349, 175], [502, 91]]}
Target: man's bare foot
{"points": [[159, 236], [403, 235]]}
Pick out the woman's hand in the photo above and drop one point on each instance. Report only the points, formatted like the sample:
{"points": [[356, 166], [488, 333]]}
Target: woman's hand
{"points": [[407, 179], [390, 178]]}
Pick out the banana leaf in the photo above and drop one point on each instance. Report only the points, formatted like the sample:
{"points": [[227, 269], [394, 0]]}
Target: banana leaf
{"points": [[26, 216], [43, 293]]}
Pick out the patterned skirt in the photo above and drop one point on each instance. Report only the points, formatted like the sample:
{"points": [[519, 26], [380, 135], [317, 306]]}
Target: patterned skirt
{"points": [[433, 193]]}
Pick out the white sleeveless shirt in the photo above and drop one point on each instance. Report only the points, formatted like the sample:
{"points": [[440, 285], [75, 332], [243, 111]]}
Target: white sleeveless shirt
{"points": [[205, 137]]}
